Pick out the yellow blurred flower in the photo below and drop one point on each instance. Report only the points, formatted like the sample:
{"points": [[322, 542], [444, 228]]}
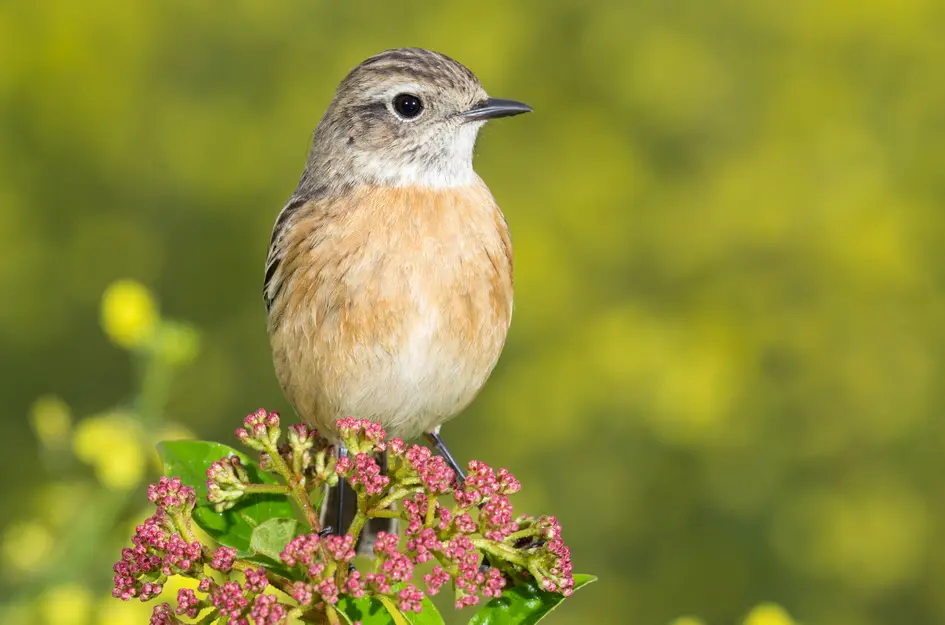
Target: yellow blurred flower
{"points": [[51, 419], [177, 343], [111, 444], [768, 614], [69, 604], [129, 313], [25, 546]]}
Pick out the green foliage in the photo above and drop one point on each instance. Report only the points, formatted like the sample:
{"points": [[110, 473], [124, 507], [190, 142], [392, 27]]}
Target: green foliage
{"points": [[236, 527], [523, 604], [272, 535]]}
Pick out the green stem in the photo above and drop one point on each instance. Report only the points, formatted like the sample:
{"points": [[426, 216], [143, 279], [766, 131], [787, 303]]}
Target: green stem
{"points": [[386, 502], [332, 615], [431, 509], [294, 483], [374, 513], [209, 618], [265, 489], [530, 531], [359, 520], [500, 550]]}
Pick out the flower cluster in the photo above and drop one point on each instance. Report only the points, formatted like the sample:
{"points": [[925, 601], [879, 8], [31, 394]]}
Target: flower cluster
{"points": [[465, 531], [477, 543], [165, 545]]}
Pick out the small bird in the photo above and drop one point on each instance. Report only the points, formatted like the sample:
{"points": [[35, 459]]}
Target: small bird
{"points": [[388, 283]]}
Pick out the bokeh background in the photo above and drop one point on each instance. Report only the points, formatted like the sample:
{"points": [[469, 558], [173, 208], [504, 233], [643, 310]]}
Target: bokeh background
{"points": [[724, 369]]}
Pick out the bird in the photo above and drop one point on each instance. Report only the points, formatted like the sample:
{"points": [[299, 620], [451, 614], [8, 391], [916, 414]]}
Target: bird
{"points": [[389, 276]]}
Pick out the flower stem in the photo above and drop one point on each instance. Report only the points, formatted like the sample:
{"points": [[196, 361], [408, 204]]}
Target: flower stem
{"points": [[332, 614], [209, 618], [294, 485], [386, 502], [503, 551], [431, 509], [266, 489]]}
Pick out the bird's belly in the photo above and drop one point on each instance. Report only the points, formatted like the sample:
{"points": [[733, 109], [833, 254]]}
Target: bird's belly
{"points": [[422, 378], [402, 325], [411, 368]]}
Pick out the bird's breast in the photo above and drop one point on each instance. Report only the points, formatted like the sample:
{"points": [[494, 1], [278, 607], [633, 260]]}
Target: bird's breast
{"points": [[395, 305]]}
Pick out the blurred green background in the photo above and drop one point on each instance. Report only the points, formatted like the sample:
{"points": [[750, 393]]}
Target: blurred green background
{"points": [[730, 283]]}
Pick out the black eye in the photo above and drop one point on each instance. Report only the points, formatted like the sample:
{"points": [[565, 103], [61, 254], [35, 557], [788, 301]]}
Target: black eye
{"points": [[407, 105]]}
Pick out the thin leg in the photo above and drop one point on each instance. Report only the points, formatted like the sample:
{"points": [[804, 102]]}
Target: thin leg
{"points": [[437, 441], [342, 452]]}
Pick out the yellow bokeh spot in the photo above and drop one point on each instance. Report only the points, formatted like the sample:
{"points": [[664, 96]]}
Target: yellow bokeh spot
{"points": [[129, 313], [69, 604], [26, 546], [688, 620], [51, 419], [768, 614], [177, 343], [111, 444]]}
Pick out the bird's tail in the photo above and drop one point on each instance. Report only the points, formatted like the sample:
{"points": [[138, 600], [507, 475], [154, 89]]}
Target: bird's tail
{"points": [[349, 506]]}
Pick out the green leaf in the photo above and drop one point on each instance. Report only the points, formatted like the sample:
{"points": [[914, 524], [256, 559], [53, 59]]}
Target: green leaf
{"points": [[271, 537], [428, 615], [523, 604], [189, 460], [383, 611], [368, 610]]}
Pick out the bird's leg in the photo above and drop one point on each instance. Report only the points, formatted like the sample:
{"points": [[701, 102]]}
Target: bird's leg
{"points": [[340, 452], [437, 441]]}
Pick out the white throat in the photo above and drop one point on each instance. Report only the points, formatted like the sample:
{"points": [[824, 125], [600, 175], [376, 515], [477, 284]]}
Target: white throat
{"points": [[453, 168]]}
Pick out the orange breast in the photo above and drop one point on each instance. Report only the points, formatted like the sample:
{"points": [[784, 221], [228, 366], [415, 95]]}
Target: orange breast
{"points": [[395, 305]]}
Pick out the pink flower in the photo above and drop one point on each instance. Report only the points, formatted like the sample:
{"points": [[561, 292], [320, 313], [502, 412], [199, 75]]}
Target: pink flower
{"points": [[410, 597], [163, 615], [368, 474], [351, 428], [260, 430], [267, 610], [303, 593], [423, 545], [355, 585], [171, 495], [301, 550], [328, 590], [256, 580], [495, 519], [230, 600], [223, 559], [436, 579], [340, 548], [187, 602], [495, 582], [465, 524], [434, 473]]}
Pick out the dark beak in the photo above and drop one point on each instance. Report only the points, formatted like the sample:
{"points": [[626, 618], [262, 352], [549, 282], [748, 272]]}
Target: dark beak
{"points": [[491, 108]]}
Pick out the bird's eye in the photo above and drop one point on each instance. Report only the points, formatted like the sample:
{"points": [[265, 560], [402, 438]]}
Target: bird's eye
{"points": [[407, 105]]}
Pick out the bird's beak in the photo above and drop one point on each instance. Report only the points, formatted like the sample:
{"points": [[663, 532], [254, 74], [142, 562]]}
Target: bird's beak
{"points": [[491, 108]]}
